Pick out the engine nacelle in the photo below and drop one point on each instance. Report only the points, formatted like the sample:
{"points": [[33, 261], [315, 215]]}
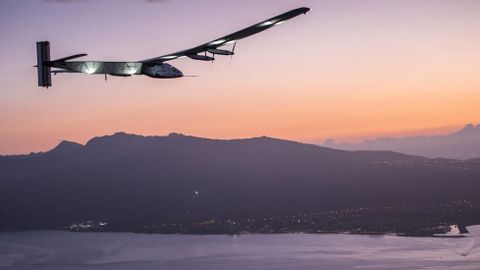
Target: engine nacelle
{"points": [[161, 71], [200, 57], [220, 52]]}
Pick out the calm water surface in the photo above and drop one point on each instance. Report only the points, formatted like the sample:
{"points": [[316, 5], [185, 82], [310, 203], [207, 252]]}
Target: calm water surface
{"points": [[108, 251]]}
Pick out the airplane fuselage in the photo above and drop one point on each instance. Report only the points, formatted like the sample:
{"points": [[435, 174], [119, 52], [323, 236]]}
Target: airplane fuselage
{"points": [[123, 69]]}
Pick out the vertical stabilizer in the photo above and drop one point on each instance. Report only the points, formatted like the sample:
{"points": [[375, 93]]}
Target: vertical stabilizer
{"points": [[43, 56]]}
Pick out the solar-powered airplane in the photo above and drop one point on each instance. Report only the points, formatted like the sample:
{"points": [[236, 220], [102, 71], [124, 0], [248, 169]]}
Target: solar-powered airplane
{"points": [[154, 67]]}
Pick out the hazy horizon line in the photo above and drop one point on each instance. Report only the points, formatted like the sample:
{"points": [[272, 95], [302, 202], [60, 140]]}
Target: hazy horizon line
{"points": [[428, 132]]}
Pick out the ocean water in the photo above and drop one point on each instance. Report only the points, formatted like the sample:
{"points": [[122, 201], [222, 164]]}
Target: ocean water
{"points": [[108, 251]]}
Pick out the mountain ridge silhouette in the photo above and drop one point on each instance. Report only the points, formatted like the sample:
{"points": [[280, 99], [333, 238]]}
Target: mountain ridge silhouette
{"points": [[463, 144], [132, 180]]}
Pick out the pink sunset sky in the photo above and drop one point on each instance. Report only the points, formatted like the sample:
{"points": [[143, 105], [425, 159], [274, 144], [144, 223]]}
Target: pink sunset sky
{"points": [[347, 70]]}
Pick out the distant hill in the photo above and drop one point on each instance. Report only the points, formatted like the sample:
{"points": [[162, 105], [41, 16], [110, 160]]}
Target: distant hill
{"points": [[463, 144], [130, 180]]}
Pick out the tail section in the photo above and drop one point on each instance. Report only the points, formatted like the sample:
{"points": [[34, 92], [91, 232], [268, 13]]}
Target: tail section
{"points": [[43, 56]]}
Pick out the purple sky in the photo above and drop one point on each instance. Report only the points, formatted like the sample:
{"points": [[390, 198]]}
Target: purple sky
{"points": [[349, 69]]}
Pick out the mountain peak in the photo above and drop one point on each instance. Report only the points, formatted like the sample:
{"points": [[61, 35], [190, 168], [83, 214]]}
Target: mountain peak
{"points": [[467, 128], [175, 134], [461, 144], [65, 147], [119, 137], [122, 134]]}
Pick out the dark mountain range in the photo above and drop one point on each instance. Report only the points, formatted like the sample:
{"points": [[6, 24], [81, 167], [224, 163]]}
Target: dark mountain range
{"points": [[129, 181], [463, 144]]}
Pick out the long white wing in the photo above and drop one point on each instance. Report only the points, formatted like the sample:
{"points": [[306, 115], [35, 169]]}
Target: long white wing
{"points": [[214, 44]]}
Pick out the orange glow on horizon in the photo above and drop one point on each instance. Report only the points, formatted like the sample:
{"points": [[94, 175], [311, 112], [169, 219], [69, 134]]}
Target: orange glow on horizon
{"points": [[344, 71]]}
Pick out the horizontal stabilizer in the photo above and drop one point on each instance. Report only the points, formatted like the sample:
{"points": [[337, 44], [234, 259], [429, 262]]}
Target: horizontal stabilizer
{"points": [[70, 57]]}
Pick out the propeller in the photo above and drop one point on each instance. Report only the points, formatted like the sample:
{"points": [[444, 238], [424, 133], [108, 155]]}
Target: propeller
{"points": [[213, 59], [231, 56], [211, 63]]}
